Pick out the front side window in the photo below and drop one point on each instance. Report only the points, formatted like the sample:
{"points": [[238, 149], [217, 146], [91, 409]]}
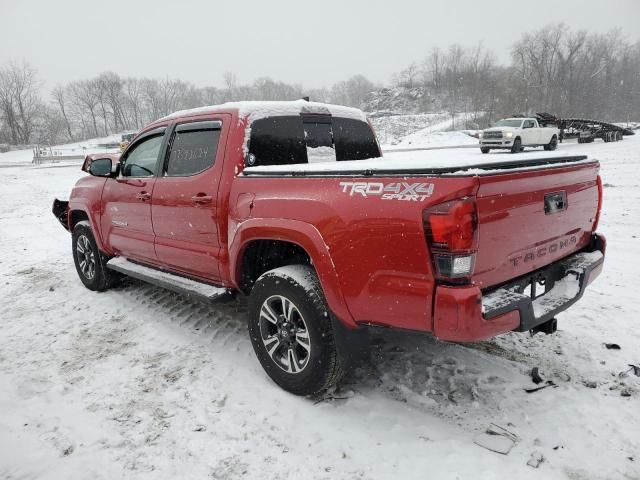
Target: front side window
{"points": [[142, 159], [309, 139], [192, 152]]}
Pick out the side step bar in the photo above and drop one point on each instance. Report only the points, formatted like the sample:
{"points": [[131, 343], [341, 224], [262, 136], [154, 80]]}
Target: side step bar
{"points": [[176, 283]]}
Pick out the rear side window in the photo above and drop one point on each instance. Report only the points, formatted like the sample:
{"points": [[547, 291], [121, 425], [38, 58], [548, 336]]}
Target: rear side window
{"points": [[193, 149], [278, 141], [308, 139], [354, 140]]}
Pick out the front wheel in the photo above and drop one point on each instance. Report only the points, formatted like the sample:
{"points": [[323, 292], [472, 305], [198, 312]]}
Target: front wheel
{"points": [[517, 146], [553, 144], [291, 332], [484, 149], [89, 262]]}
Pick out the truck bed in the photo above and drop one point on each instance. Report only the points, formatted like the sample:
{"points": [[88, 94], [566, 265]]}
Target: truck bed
{"points": [[377, 239], [408, 163]]}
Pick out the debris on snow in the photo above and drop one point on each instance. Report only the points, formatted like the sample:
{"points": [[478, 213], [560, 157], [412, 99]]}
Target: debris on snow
{"points": [[59, 442], [536, 459], [633, 368], [535, 375], [548, 383], [497, 439], [612, 346]]}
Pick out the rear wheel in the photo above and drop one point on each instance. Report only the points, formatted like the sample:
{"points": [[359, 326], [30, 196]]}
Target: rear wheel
{"points": [[90, 263], [484, 149], [553, 144], [291, 331], [517, 146]]}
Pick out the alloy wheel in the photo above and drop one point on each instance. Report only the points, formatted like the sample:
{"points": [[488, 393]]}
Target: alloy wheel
{"points": [[86, 257], [284, 333]]}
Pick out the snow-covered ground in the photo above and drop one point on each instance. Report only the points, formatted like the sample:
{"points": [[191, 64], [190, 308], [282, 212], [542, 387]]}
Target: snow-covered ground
{"points": [[94, 145], [417, 129], [141, 383]]}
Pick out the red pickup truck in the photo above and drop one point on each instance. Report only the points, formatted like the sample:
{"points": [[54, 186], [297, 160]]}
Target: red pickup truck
{"points": [[291, 204]]}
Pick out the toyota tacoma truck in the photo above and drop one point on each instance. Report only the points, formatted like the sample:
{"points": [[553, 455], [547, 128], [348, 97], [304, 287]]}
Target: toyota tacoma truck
{"points": [[291, 204], [516, 133]]}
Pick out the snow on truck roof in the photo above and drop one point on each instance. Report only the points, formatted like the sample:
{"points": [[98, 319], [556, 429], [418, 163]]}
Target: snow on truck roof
{"points": [[254, 110]]}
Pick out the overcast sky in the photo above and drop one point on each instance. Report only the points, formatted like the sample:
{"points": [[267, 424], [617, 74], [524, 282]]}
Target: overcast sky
{"points": [[311, 42]]}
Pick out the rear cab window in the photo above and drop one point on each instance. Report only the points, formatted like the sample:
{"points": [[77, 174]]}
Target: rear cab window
{"points": [[289, 140]]}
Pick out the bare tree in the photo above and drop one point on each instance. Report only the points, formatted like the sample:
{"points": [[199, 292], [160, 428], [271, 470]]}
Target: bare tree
{"points": [[20, 100], [86, 98], [59, 96], [132, 103], [231, 83]]}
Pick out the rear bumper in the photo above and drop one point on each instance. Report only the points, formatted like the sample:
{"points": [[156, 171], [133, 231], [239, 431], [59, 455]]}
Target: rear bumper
{"points": [[466, 314]]}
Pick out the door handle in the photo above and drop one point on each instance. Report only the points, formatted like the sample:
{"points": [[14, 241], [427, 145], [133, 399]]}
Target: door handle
{"points": [[201, 199], [143, 196]]}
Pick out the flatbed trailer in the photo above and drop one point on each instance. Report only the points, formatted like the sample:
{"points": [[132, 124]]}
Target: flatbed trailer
{"points": [[585, 130]]}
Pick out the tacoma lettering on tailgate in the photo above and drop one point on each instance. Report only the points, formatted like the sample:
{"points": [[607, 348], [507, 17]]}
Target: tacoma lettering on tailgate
{"points": [[542, 251]]}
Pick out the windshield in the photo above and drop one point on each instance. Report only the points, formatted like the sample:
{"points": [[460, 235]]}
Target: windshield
{"points": [[508, 123]]}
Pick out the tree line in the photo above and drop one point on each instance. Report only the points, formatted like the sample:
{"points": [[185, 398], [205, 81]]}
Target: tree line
{"points": [[554, 69]]}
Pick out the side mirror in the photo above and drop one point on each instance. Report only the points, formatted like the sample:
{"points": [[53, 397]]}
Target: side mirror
{"points": [[102, 167]]}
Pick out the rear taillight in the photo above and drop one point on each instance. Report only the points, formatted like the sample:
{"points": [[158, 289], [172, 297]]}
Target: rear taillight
{"points": [[597, 219], [451, 229]]}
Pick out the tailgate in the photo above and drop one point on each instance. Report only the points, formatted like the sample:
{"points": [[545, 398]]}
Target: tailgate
{"points": [[529, 219]]}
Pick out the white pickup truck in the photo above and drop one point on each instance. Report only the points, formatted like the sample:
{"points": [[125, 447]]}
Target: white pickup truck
{"points": [[516, 133]]}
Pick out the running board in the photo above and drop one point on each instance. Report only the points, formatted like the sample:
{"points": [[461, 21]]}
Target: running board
{"points": [[176, 283]]}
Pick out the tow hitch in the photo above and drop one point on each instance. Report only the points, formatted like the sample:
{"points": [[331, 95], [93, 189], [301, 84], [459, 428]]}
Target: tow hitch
{"points": [[548, 327]]}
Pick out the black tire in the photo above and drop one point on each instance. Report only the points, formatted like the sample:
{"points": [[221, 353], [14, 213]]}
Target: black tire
{"points": [[320, 366], [93, 273], [553, 144], [517, 146], [484, 149]]}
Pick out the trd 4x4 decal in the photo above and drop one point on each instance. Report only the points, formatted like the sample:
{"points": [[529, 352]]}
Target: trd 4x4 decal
{"points": [[412, 192]]}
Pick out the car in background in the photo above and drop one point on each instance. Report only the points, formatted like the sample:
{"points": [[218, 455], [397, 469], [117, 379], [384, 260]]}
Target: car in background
{"points": [[516, 133], [125, 140]]}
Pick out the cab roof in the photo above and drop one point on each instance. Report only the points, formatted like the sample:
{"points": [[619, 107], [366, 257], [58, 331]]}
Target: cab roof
{"points": [[254, 110]]}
